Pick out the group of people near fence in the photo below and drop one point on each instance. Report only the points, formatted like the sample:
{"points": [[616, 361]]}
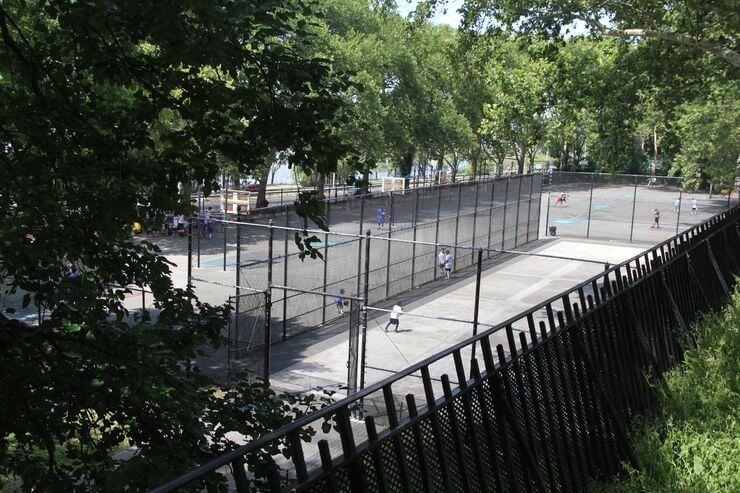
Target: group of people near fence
{"points": [[444, 259]]}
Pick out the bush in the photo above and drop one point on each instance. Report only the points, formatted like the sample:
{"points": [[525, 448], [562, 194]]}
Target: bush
{"points": [[693, 444]]}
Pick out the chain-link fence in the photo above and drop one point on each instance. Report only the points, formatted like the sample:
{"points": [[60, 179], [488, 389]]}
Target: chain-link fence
{"points": [[628, 208], [407, 228]]}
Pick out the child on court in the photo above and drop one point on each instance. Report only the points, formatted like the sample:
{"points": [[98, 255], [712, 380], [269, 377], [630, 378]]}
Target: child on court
{"points": [[395, 313], [694, 205], [676, 205], [339, 302], [656, 219], [561, 199], [381, 217], [448, 264], [441, 259]]}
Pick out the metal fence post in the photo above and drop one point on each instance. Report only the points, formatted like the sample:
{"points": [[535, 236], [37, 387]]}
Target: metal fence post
{"points": [[285, 274], [503, 224], [457, 226], [190, 253], [518, 206], [366, 295], [268, 305], [326, 253], [547, 215], [237, 301], [476, 306], [359, 244], [634, 203], [413, 245], [490, 215], [590, 202], [436, 226], [388, 251], [475, 220], [680, 206], [529, 209]]}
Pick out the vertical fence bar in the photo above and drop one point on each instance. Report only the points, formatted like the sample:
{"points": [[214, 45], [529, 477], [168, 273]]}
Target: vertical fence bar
{"points": [[436, 226], [457, 227], [366, 302], [190, 252], [634, 203], [388, 250], [475, 220], [476, 305], [680, 206], [590, 203], [237, 279], [547, 214], [529, 209], [413, 245], [503, 224], [359, 245], [325, 262], [518, 206], [490, 215], [285, 274]]}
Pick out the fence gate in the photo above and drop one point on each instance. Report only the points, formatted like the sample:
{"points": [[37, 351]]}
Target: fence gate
{"points": [[354, 345], [247, 350]]}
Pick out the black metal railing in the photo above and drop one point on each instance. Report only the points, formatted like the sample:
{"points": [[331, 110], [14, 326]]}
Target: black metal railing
{"points": [[548, 408]]}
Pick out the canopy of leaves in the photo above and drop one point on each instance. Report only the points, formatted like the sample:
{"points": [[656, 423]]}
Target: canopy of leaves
{"points": [[107, 110]]}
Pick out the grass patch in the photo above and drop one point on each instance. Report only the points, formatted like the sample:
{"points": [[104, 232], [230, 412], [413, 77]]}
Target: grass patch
{"points": [[693, 443]]}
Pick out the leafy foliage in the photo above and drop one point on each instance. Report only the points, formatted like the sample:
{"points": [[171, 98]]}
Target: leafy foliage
{"points": [[109, 111], [692, 445]]}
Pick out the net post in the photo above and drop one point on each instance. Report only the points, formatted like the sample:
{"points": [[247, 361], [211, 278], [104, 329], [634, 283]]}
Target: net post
{"points": [[359, 244], [413, 246], [634, 203], [529, 209]]}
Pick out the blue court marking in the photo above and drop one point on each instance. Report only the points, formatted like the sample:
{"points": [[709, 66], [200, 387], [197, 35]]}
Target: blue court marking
{"points": [[603, 206], [567, 221], [627, 197]]}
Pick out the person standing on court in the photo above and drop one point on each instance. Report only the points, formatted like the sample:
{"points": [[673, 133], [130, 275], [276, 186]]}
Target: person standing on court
{"points": [[381, 217], [656, 219], [339, 302], [676, 205], [441, 259], [395, 313], [694, 205], [448, 264]]}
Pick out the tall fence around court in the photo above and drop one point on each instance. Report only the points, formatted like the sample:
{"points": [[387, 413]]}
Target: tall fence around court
{"points": [[622, 207], [500, 213], [549, 414]]}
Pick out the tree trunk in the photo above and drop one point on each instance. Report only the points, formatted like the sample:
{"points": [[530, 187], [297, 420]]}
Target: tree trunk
{"points": [[453, 168], [440, 164], [406, 164], [474, 156], [655, 143], [320, 185], [366, 177], [520, 160], [263, 178]]}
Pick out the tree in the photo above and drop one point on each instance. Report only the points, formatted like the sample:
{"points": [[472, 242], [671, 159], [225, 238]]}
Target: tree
{"points": [[709, 131], [107, 108], [709, 26]]}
